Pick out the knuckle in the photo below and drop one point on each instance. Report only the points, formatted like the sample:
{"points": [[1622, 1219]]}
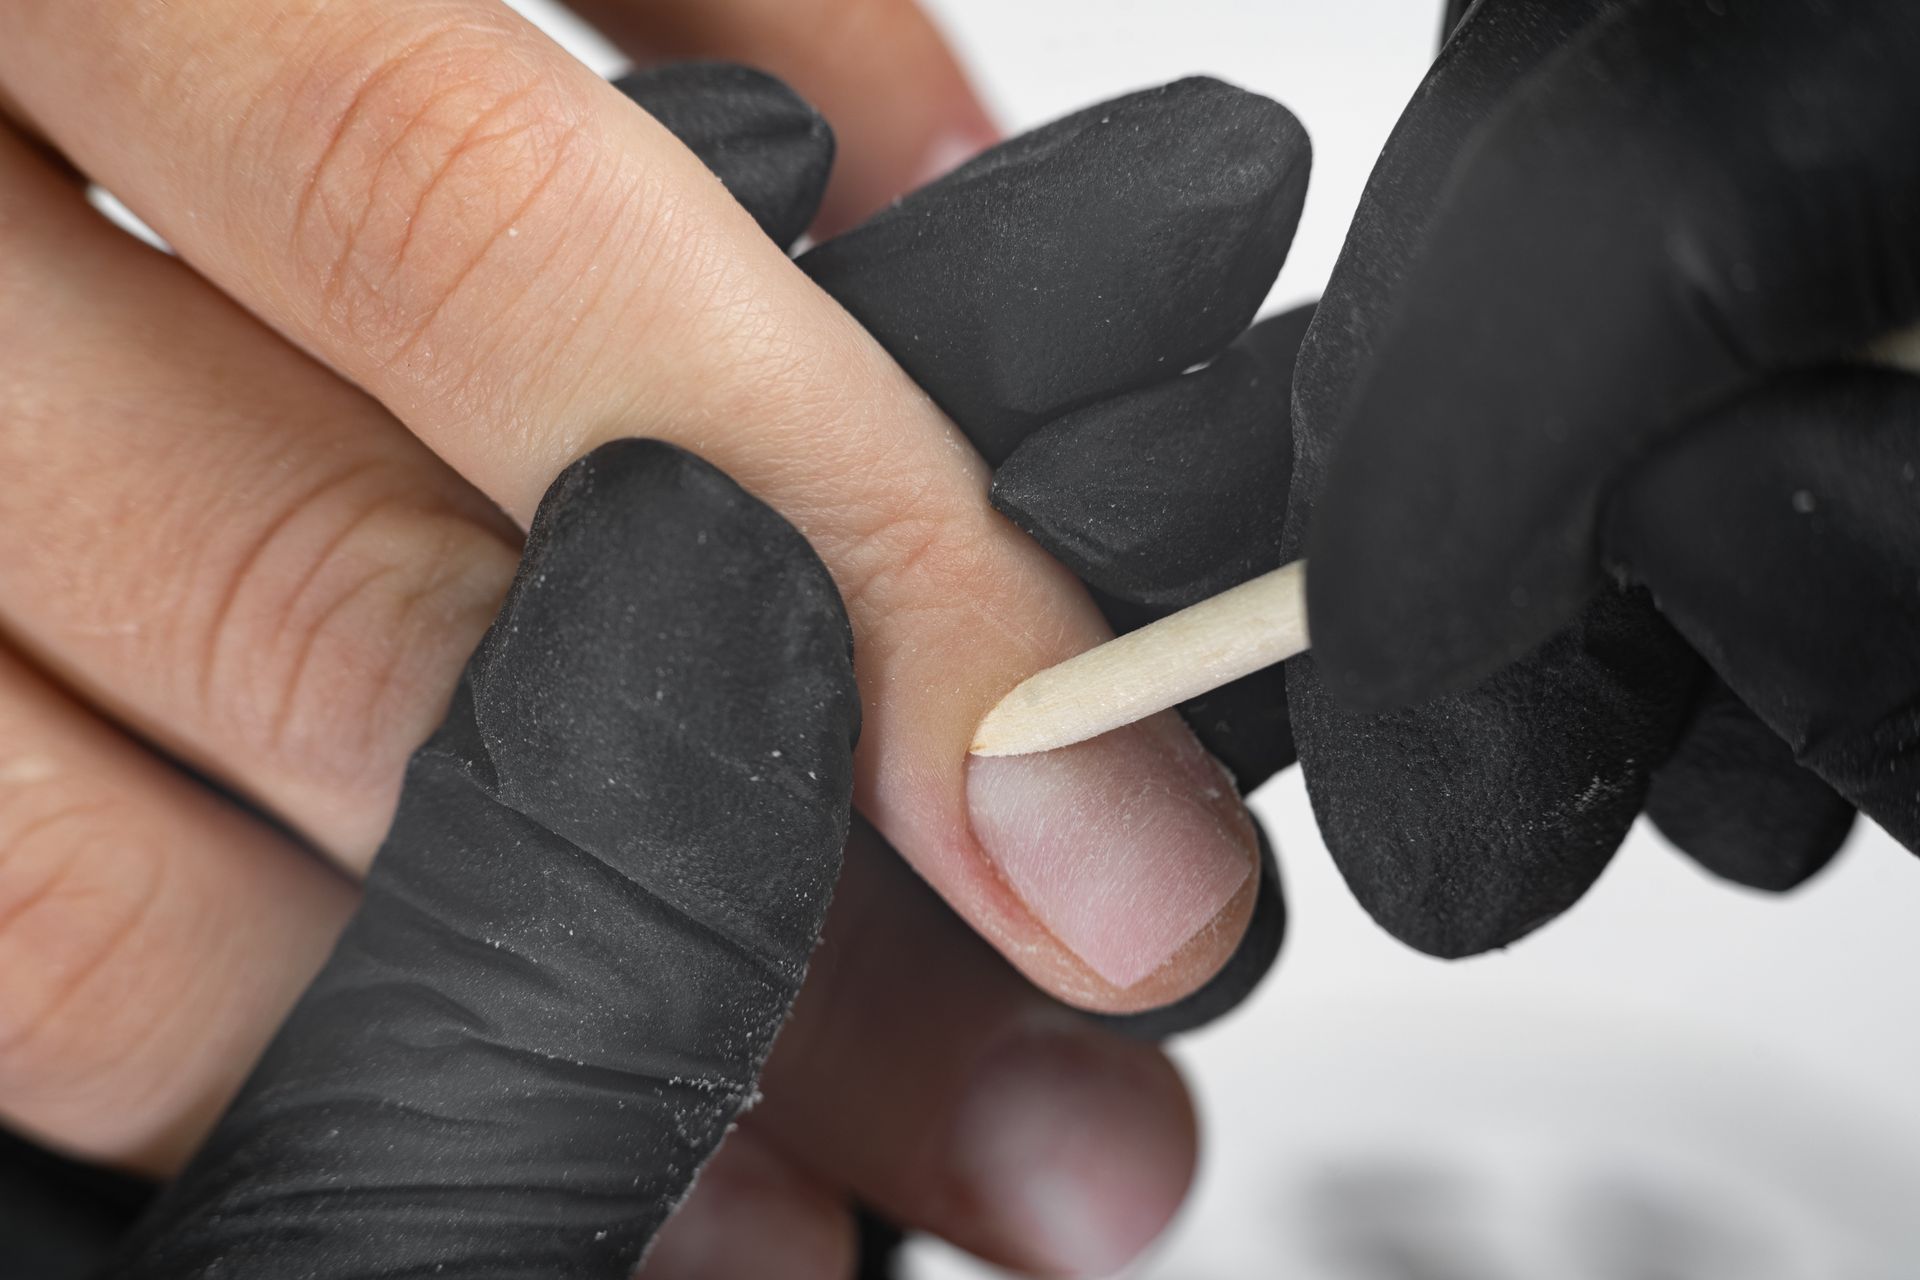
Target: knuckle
{"points": [[335, 636], [906, 559], [413, 153], [77, 989]]}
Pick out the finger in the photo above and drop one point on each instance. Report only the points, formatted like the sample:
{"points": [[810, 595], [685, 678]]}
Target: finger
{"points": [[945, 1092], [752, 1214], [593, 913], [1167, 496], [1469, 820], [15, 121], [1782, 537], [1680, 204], [502, 249], [1733, 798], [770, 149], [878, 69], [151, 935], [235, 553]]}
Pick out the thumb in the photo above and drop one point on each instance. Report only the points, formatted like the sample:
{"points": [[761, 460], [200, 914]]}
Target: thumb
{"points": [[608, 870], [879, 70]]}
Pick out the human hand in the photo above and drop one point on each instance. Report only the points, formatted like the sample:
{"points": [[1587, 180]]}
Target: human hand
{"points": [[385, 620], [516, 264]]}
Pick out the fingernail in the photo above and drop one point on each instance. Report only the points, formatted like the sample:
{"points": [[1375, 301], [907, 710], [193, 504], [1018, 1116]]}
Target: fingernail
{"points": [[1075, 1149], [1124, 847]]}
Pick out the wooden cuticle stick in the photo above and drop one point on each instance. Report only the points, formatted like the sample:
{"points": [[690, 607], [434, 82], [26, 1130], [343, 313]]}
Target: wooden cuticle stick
{"points": [[1244, 628]]}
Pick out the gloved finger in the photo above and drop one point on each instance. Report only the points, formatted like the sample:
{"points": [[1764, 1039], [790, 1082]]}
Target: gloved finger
{"points": [[1781, 534], [751, 1213], [1166, 495], [879, 69], [931, 1087], [1174, 208], [1685, 199], [1163, 496], [1732, 798], [1469, 820], [1247, 726], [770, 149], [593, 912]]}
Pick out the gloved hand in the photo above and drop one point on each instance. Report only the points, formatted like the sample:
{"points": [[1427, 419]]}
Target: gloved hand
{"points": [[1624, 203], [1561, 334]]}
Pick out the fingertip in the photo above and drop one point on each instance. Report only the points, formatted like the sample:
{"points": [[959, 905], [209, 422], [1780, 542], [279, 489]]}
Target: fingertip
{"points": [[1133, 854], [1073, 1150]]}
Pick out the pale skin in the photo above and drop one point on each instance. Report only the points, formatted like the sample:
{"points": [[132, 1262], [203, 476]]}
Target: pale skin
{"points": [[262, 498]]}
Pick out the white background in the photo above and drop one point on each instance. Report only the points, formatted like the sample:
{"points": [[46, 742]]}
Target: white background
{"points": [[1676, 1075]]}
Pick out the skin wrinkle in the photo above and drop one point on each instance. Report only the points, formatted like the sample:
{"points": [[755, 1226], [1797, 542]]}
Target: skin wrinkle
{"points": [[311, 631], [59, 996], [248, 566], [415, 614]]}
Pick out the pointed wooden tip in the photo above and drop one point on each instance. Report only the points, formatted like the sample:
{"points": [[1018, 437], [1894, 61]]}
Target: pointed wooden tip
{"points": [[1163, 664]]}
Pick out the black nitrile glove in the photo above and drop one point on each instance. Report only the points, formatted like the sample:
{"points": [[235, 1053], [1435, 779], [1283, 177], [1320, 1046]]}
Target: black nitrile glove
{"points": [[1560, 337], [1468, 820], [1050, 296]]}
